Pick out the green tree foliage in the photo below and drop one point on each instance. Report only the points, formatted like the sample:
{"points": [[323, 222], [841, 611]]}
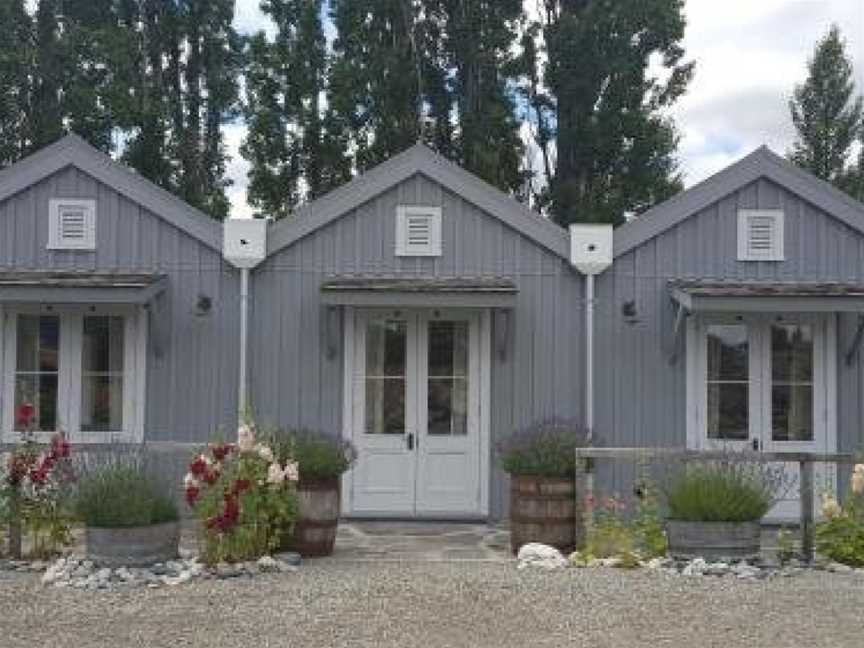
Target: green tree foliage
{"points": [[477, 39], [292, 152], [374, 94], [827, 113], [611, 69], [16, 40], [46, 113]]}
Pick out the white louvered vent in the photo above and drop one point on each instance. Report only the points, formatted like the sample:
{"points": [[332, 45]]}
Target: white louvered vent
{"points": [[418, 231], [760, 235], [72, 225]]}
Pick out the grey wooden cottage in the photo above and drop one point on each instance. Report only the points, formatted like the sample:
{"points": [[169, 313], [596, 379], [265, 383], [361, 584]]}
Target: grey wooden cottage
{"points": [[423, 314]]}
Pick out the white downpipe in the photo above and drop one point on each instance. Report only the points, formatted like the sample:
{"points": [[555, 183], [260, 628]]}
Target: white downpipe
{"points": [[589, 386], [589, 358], [242, 401]]}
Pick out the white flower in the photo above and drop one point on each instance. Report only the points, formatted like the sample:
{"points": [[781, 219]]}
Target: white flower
{"points": [[275, 474], [830, 507], [245, 437], [292, 471], [264, 451], [189, 481], [857, 482], [858, 469]]}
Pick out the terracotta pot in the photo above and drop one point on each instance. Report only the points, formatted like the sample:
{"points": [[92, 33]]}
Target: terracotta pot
{"points": [[315, 530], [714, 539], [543, 509]]}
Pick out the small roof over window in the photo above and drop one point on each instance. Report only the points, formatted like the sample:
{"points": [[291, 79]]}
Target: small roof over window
{"points": [[80, 287], [768, 296], [400, 291]]}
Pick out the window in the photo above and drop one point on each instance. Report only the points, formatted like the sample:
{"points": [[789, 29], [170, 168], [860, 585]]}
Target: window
{"points": [[82, 371], [72, 224], [727, 381], [418, 231], [760, 235]]}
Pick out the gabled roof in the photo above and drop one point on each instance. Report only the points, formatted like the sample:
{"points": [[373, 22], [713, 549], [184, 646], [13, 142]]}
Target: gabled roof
{"points": [[74, 151], [761, 163], [418, 159]]}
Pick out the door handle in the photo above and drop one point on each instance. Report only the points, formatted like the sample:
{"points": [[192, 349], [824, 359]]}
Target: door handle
{"points": [[410, 441], [756, 445]]}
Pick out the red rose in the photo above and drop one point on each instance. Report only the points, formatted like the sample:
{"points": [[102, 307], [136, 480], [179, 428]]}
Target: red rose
{"points": [[240, 486], [198, 467], [192, 493], [59, 447], [25, 415], [221, 450]]}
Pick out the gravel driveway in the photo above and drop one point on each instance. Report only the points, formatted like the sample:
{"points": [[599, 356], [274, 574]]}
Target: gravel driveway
{"points": [[382, 604]]}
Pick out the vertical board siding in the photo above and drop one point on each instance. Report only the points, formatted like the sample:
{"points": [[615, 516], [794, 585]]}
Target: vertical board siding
{"points": [[191, 389], [641, 398], [295, 383]]}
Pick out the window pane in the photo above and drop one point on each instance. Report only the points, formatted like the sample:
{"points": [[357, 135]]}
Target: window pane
{"points": [[385, 406], [728, 408], [791, 353], [36, 353], [448, 406], [792, 413], [386, 347], [102, 374], [102, 346], [448, 349], [728, 352], [102, 403], [39, 390]]}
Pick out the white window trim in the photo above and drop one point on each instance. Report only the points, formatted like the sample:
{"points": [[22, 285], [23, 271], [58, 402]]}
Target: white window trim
{"points": [[777, 251], [403, 213], [69, 380], [55, 210]]}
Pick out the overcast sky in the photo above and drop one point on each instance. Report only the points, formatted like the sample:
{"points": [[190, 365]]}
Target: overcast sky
{"points": [[749, 55]]}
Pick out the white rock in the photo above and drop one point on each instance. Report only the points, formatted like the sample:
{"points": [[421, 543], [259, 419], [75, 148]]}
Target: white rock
{"points": [[541, 556], [268, 563], [654, 563], [695, 567]]}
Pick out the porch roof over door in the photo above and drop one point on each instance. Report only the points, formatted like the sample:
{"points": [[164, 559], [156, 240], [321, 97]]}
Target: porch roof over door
{"points": [[768, 296], [478, 292], [53, 287]]}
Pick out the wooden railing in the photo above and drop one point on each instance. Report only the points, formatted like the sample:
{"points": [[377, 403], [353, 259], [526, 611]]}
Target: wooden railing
{"points": [[805, 461]]}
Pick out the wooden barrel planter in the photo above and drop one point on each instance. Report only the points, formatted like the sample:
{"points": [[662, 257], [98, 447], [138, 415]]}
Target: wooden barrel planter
{"points": [[713, 540], [133, 546], [315, 529], [543, 509]]}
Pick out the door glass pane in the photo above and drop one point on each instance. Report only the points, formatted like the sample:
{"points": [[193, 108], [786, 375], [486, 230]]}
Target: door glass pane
{"points": [[102, 374], [447, 389], [36, 370], [791, 382], [385, 376], [728, 382]]}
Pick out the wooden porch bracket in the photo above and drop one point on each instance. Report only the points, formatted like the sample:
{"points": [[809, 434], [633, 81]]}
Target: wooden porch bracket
{"points": [[677, 332], [854, 347]]}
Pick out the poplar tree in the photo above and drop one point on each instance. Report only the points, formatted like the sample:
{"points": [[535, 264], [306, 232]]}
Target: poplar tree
{"points": [[826, 112], [607, 146], [16, 49], [293, 154]]}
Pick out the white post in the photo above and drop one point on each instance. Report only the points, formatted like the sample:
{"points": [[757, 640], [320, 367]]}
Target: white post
{"points": [[242, 402]]}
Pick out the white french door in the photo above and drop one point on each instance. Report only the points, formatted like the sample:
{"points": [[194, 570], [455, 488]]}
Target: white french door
{"points": [[765, 382], [415, 413]]}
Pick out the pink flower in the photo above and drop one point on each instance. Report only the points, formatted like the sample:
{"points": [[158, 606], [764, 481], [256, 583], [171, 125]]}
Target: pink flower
{"points": [[25, 415]]}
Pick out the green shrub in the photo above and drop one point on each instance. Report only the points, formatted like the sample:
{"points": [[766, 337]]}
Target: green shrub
{"points": [[121, 489], [727, 490], [318, 455], [840, 536], [544, 449]]}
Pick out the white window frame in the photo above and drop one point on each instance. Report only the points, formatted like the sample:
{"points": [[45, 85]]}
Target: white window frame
{"points": [[56, 208], [776, 252], [406, 212], [70, 371]]}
